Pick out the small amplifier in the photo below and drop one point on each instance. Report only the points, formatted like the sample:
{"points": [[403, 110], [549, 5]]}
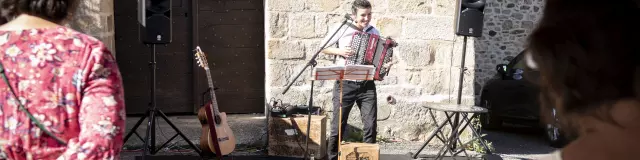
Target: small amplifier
{"points": [[287, 136]]}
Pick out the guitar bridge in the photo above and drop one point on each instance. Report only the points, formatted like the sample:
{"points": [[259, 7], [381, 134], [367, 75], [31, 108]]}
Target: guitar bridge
{"points": [[223, 139]]}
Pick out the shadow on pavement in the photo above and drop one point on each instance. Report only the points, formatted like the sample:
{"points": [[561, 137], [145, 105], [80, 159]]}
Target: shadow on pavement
{"points": [[518, 140]]}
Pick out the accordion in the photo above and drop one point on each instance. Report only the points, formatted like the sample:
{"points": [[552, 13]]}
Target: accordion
{"points": [[371, 49]]}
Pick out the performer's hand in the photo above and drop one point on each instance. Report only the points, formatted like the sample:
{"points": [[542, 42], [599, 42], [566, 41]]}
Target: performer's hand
{"points": [[345, 52], [389, 64]]}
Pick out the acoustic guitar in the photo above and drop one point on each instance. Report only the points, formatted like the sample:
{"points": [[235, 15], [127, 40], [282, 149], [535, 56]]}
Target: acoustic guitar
{"points": [[214, 123]]}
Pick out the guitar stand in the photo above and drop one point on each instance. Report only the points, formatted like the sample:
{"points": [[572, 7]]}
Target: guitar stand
{"points": [[150, 138]]}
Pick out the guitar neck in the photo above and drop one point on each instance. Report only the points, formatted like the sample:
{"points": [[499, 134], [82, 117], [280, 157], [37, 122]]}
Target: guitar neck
{"points": [[214, 102]]}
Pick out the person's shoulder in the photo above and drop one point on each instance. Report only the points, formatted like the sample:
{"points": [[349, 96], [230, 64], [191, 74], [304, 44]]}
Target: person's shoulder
{"points": [[76, 41], [63, 33], [373, 30], [86, 38]]}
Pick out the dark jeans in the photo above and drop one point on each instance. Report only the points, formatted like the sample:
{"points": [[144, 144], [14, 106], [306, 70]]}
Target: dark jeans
{"points": [[361, 93]]}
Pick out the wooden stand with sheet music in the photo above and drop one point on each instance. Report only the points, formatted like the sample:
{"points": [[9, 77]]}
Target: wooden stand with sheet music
{"points": [[349, 72]]}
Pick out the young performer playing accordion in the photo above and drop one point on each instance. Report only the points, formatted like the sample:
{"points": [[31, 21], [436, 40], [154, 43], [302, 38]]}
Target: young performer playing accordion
{"points": [[357, 43]]}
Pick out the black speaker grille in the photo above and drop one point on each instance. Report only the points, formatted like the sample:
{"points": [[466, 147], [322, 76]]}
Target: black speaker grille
{"points": [[157, 29], [158, 6]]}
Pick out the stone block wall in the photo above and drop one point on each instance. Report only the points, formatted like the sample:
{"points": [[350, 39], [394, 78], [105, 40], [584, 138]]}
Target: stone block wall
{"points": [[429, 54], [95, 18], [507, 23]]}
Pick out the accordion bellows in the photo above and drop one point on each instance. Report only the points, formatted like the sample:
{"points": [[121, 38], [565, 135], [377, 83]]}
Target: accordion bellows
{"points": [[371, 49]]}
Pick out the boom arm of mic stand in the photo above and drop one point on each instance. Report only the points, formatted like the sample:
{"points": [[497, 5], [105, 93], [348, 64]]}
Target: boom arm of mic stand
{"points": [[313, 59], [313, 63]]}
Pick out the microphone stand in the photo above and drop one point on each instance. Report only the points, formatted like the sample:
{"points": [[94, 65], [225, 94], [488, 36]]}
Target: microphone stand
{"points": [[312, 62]]}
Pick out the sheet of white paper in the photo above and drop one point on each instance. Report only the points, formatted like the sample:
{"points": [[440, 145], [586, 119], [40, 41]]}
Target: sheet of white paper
{"points": [[327, 77], [331, 70], [359, 72], [327, 72], [359, 67], [352, 72]]}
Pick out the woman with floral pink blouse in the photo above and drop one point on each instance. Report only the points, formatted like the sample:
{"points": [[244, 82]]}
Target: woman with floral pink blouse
{"points": [[65, 96]]}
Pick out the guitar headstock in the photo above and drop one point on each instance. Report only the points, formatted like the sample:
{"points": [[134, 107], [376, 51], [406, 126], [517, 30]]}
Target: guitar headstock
{"points": [[201, 58]]}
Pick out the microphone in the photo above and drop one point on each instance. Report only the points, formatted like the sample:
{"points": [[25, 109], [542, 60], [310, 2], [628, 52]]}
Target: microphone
{"points": [[348, 17]]}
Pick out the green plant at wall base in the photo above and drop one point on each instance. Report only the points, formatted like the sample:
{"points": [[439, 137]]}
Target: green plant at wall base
{"points": [[476, 145], [382, 140]]}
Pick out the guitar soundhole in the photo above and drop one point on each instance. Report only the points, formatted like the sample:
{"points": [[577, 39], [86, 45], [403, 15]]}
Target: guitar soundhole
{"points": [[217, 119]]}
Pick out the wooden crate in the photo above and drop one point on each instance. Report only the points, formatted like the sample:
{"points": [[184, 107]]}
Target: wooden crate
{"points": [[287, 136], [359, 151]]}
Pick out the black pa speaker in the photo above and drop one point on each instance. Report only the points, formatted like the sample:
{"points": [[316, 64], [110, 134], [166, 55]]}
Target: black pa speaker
{"points": [[469, 17], [154, 17]]}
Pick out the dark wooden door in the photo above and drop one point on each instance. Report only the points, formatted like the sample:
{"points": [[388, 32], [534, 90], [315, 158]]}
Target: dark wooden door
{"points": [[174, 61], [231, 33]]}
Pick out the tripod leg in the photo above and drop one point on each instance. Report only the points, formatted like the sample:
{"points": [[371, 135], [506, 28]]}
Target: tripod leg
{"points": [[133, 130], [178, 132], [152, 129], [147, 139]]}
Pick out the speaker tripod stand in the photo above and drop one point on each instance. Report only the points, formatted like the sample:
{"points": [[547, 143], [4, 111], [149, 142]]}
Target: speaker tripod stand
{"points": [[150, 138]]}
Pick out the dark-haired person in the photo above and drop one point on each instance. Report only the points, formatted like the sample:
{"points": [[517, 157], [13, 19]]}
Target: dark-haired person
{"points": [[362, 93], [68, 82], [589, 62]]}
